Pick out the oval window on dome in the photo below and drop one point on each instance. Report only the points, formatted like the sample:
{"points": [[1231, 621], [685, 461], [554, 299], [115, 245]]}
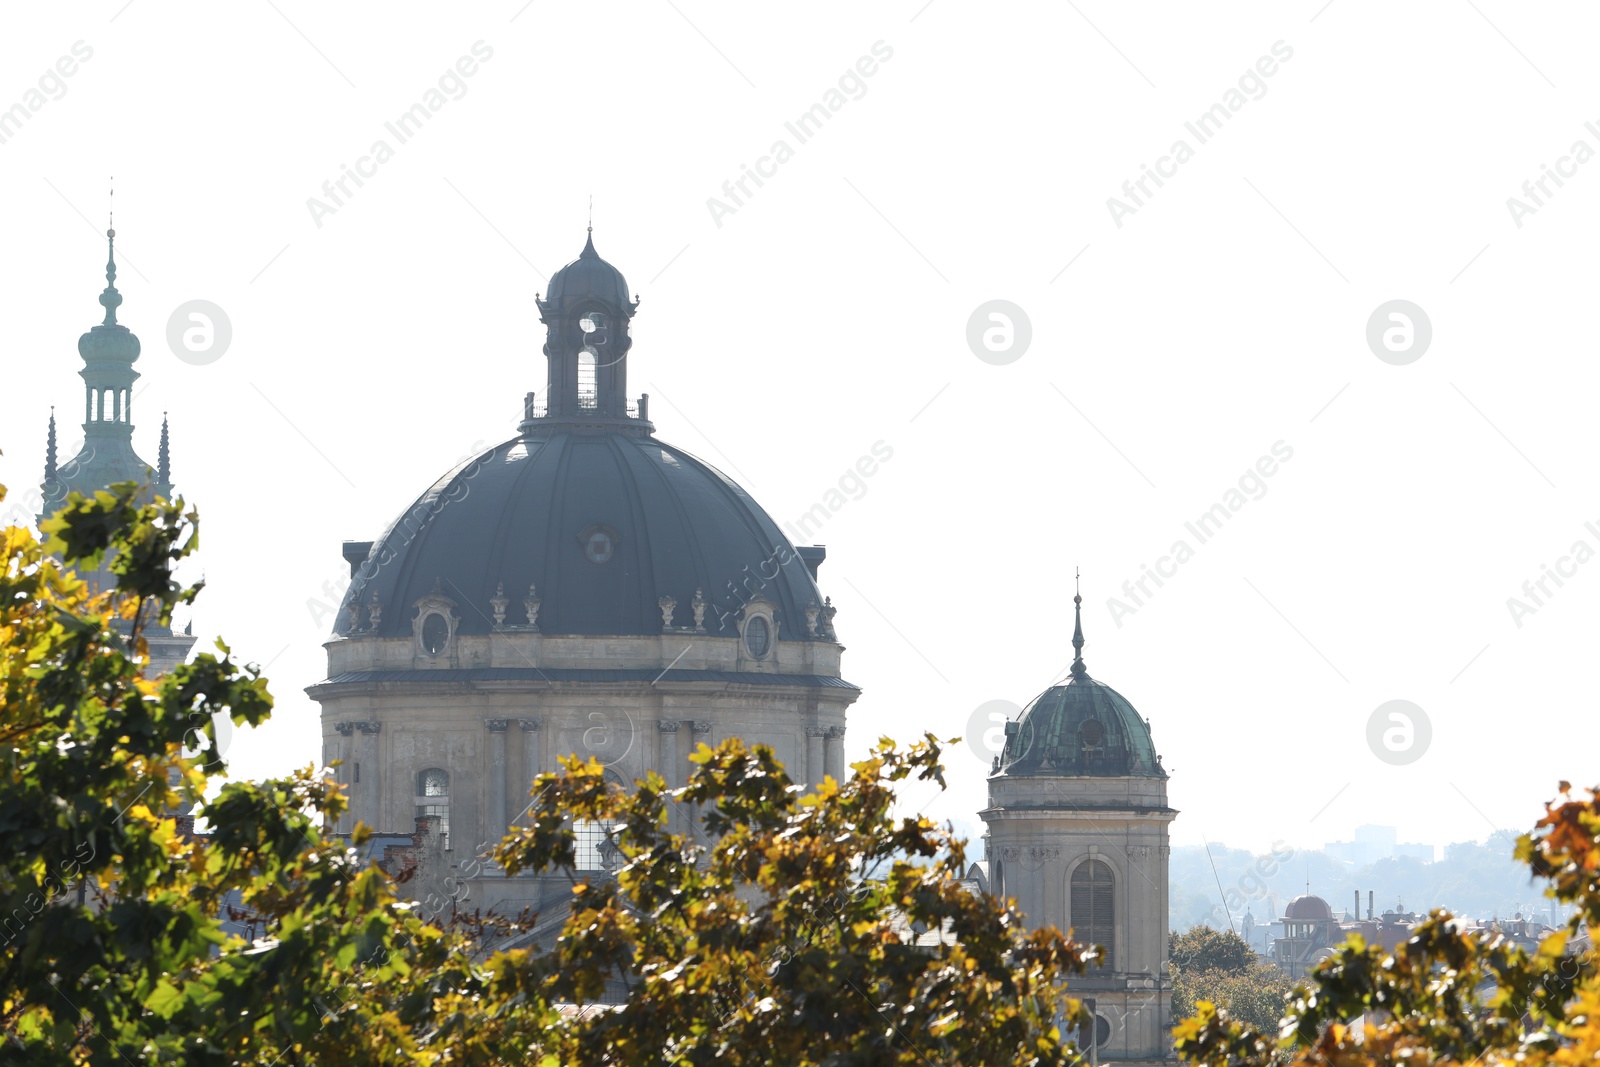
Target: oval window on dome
{"points": [[599, 547], [758, 636], [435, 633], [1092, 733]]}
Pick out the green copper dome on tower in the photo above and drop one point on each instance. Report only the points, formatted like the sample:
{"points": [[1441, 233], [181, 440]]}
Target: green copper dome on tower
{"points": [[1083, 728]]}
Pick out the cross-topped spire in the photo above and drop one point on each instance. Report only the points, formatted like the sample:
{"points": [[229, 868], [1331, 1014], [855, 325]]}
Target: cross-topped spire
{"points": [[1078, 669]]}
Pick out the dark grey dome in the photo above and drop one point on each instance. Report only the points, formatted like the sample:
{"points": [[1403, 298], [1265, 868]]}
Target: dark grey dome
{"points": [[587, 277], [604, 524]]}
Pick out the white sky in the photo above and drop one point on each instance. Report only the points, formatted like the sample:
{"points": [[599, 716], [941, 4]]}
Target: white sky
{"points": [[830, 311]]}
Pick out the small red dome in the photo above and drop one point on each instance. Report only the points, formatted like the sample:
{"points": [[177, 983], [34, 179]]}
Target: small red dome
{"points": [[1308, 908]]}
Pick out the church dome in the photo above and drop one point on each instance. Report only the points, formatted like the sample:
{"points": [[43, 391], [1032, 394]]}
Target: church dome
{"points": [[602, 527], [1308, 909], [587, 278], [1083, 728]]}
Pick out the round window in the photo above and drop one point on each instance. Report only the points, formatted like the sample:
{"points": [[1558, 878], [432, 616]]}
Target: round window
{"points": [[599, 547], [435, 633], [758, 636]]}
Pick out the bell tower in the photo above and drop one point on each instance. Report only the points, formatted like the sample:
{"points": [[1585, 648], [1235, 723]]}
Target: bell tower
{"points": [[586, 315], [1077, 834], [109, 351]]}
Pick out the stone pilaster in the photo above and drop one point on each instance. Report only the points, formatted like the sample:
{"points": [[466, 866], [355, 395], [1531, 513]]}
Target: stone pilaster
{"points": [[532, 759], [833, 752], [344, 752], [497, 821], [815, 769], [366, 796]]}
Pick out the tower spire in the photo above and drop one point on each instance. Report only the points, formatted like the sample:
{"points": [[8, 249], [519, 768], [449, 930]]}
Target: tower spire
{"points": [[110, 298], [1078, 669], [50, 450], [164, 457]]}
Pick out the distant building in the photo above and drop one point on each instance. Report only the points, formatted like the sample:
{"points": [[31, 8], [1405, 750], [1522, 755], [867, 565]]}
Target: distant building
{"points": [[1374, 843], [1311, 933]]}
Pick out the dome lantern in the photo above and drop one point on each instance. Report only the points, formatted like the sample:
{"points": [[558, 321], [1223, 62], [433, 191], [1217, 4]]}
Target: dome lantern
{"points": [[586, 313]]}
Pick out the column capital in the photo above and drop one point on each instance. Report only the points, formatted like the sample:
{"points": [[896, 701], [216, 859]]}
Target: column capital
{"points": [[836, 732], [531, 725], [497, 726], [370, 727], [816, 731], [703, 726], [668, 726], [345, 728]]}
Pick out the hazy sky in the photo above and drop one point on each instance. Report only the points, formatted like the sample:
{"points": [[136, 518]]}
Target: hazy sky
{"points": [[1351, 155]]}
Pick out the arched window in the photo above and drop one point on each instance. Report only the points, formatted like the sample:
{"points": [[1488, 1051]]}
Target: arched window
{"points": [[433, 798], [588, 388], [1093, 908]]}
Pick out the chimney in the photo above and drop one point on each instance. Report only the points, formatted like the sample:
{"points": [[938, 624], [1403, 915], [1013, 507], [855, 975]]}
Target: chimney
{"points": [[1369, 903], [1357, 912]]}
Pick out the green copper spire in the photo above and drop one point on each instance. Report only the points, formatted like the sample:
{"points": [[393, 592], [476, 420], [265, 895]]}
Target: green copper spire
{"points": [[111, 299], [109, 351], [1078, 669]]}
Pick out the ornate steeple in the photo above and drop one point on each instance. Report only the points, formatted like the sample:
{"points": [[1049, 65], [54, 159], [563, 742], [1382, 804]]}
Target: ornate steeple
{"points": [[109, 351], [107, 456]]}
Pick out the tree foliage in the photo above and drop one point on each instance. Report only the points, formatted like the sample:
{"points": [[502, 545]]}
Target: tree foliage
{"points": [[818, 929], [1218, 967], [1201, 948], [1450, 994]]}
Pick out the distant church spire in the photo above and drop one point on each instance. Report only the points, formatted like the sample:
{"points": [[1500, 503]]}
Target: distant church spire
{"points": [[164, 456], [50, 449], [1078, 669]]}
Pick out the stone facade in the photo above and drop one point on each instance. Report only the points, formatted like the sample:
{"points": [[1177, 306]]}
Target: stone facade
{"points": [[493, 711], [1042, 830]]}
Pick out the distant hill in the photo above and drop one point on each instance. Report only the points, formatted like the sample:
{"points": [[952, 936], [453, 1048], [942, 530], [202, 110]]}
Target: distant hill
{"points": [[1477, 879]]}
